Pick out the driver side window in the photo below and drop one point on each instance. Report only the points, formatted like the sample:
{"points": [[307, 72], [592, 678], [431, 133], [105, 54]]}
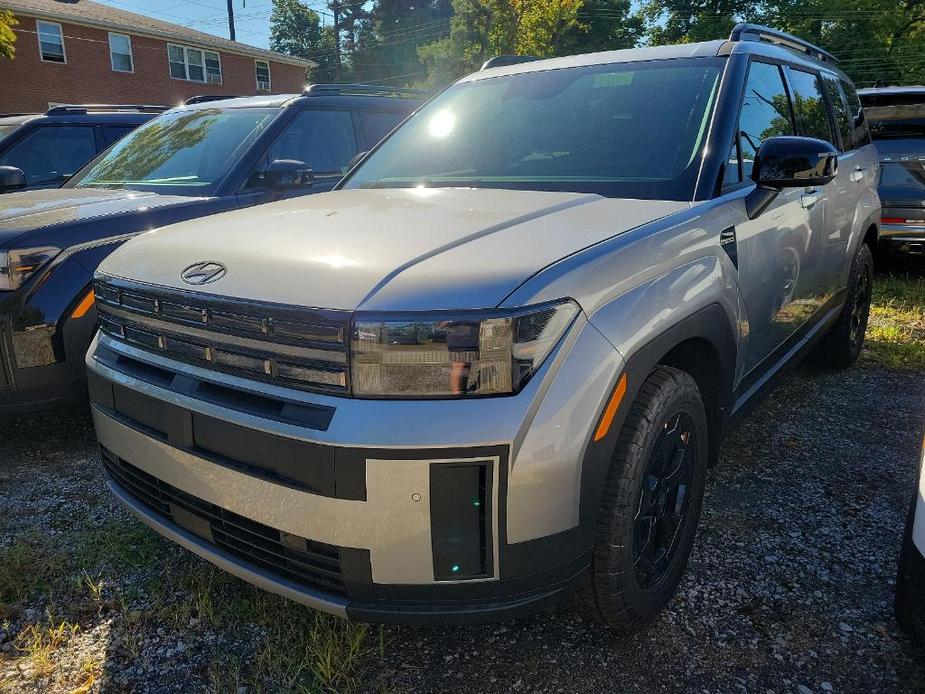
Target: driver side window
{"points": [[325, 140], [766, 112]]}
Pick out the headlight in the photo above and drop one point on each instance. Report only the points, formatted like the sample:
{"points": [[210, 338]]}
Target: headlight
{"points": [[462, 355], [18, 264]]}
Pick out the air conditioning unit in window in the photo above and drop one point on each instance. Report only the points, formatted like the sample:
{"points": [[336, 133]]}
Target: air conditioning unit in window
{"points": [[215, 79]]}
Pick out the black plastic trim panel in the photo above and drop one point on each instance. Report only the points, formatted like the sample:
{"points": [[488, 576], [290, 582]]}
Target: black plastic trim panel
{"points": [[310, 563]]}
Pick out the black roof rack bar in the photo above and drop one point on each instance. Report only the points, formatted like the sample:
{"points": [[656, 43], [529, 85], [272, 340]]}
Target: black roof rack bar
{"points": [[745, 31], [362, 90], [205, 98], [505, 60], [94, 108], [13, 115]]}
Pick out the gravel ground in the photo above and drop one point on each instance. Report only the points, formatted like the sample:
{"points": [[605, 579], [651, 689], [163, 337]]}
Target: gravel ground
{"points": [[789, 587]]}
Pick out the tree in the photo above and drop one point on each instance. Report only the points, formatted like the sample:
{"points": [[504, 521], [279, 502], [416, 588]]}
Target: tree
{"points": [[296, 30], [386, 49], [878, 41], [603, 25], [481, 29], [7, 35]]}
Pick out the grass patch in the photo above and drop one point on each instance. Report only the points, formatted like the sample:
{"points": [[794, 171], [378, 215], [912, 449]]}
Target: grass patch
{"points": [[54, 588], [896, 331]]}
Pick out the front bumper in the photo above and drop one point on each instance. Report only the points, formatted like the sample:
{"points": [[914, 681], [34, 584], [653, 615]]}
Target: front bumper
{"points": [[352, 506]]}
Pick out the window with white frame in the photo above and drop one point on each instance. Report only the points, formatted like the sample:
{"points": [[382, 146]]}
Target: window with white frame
{"points": [[263, 75], [120, 53], [194, 64], [51, 42]]}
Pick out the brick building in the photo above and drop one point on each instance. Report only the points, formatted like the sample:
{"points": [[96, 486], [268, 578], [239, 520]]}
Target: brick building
{"points": [[77, 51]]}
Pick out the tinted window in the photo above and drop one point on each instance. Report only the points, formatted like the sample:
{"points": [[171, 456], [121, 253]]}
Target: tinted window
{"points": [[909, 174], [114, 133], [843, 119], [324, 140], [51, 154], [812, 114], [181, 152], [378, 124], [765, 113], [621, 130], [858, 118]]}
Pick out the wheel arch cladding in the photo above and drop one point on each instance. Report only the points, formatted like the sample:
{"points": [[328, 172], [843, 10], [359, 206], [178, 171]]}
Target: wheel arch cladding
{"points": [[702, 344]]}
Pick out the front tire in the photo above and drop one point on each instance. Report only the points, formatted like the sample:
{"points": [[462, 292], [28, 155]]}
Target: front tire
{"points": [[651, 504], [842, 346]]}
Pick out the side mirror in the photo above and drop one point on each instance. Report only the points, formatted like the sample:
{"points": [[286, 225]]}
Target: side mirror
{"points": [[355, 160], [11, 179], [789, 162], [288, 173]]}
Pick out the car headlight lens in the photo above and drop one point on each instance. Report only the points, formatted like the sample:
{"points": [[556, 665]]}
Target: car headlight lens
{"points": [[465, 355], [17, 265]]}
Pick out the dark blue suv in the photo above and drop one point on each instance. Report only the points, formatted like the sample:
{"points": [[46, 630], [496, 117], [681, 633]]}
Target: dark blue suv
{"points": [[192, 161], [43, 151]]}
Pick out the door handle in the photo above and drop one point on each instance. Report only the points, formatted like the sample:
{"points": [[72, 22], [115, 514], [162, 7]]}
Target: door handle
{"points": [[809, 199], [857, 175]]}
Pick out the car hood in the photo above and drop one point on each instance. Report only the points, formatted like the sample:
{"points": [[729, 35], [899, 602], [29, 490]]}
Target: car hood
{"points": [[38, 209], [386, 249]]}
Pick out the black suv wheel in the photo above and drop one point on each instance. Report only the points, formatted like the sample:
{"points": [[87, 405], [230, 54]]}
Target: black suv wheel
{"points": [[842, 346], [651, 506]]}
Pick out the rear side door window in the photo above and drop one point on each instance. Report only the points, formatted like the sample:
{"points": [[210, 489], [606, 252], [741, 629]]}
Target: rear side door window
{"points": [[766, 112], [51, 154], [114, 133], [855, 113], [843, 118], [325, 140], [812, 114], [378, 124]]}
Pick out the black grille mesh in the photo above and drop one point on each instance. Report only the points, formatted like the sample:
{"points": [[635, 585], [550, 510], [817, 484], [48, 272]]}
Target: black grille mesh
{"points": [[312, 564]]}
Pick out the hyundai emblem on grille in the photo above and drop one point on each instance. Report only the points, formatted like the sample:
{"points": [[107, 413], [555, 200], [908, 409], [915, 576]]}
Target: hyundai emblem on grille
{"points": [[203, 273]]}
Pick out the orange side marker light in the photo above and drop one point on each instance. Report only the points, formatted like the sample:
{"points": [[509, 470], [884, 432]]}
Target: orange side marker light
{"points": [[611, 410], [85, 304]]}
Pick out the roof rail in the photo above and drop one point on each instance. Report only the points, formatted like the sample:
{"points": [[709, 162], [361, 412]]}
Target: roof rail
{"points": [[363, 90], [504, 60], [745, 31], [13, 115], [205, 98], [97, 108]]}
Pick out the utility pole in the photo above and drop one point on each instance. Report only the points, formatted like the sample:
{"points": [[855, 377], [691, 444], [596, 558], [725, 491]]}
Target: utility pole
{"points": [[231, 19], [335, 10]]}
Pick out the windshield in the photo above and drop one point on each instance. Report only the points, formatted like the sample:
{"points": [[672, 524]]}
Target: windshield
{"points": [[7, 129], [181, 153], [621, 130]]}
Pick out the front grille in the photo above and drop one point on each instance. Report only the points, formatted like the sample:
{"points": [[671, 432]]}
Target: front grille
{"points": [[296, 347], [311, 564]]}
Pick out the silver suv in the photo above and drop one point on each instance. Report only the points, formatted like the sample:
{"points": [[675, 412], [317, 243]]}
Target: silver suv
{"points": [[493, 367]]}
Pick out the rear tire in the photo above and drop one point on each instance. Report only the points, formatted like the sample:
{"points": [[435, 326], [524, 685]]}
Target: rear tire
{"points": [[651, 504], [842, 345]]}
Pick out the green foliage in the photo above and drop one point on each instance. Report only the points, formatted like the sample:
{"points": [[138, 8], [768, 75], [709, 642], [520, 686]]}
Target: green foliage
{"points": [[7, 35], [878, 41], [296, 30], [481, 29], [432, 42]]}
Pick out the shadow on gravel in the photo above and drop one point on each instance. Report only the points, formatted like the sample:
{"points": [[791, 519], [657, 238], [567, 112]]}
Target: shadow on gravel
{"points": [[790, 584]]}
